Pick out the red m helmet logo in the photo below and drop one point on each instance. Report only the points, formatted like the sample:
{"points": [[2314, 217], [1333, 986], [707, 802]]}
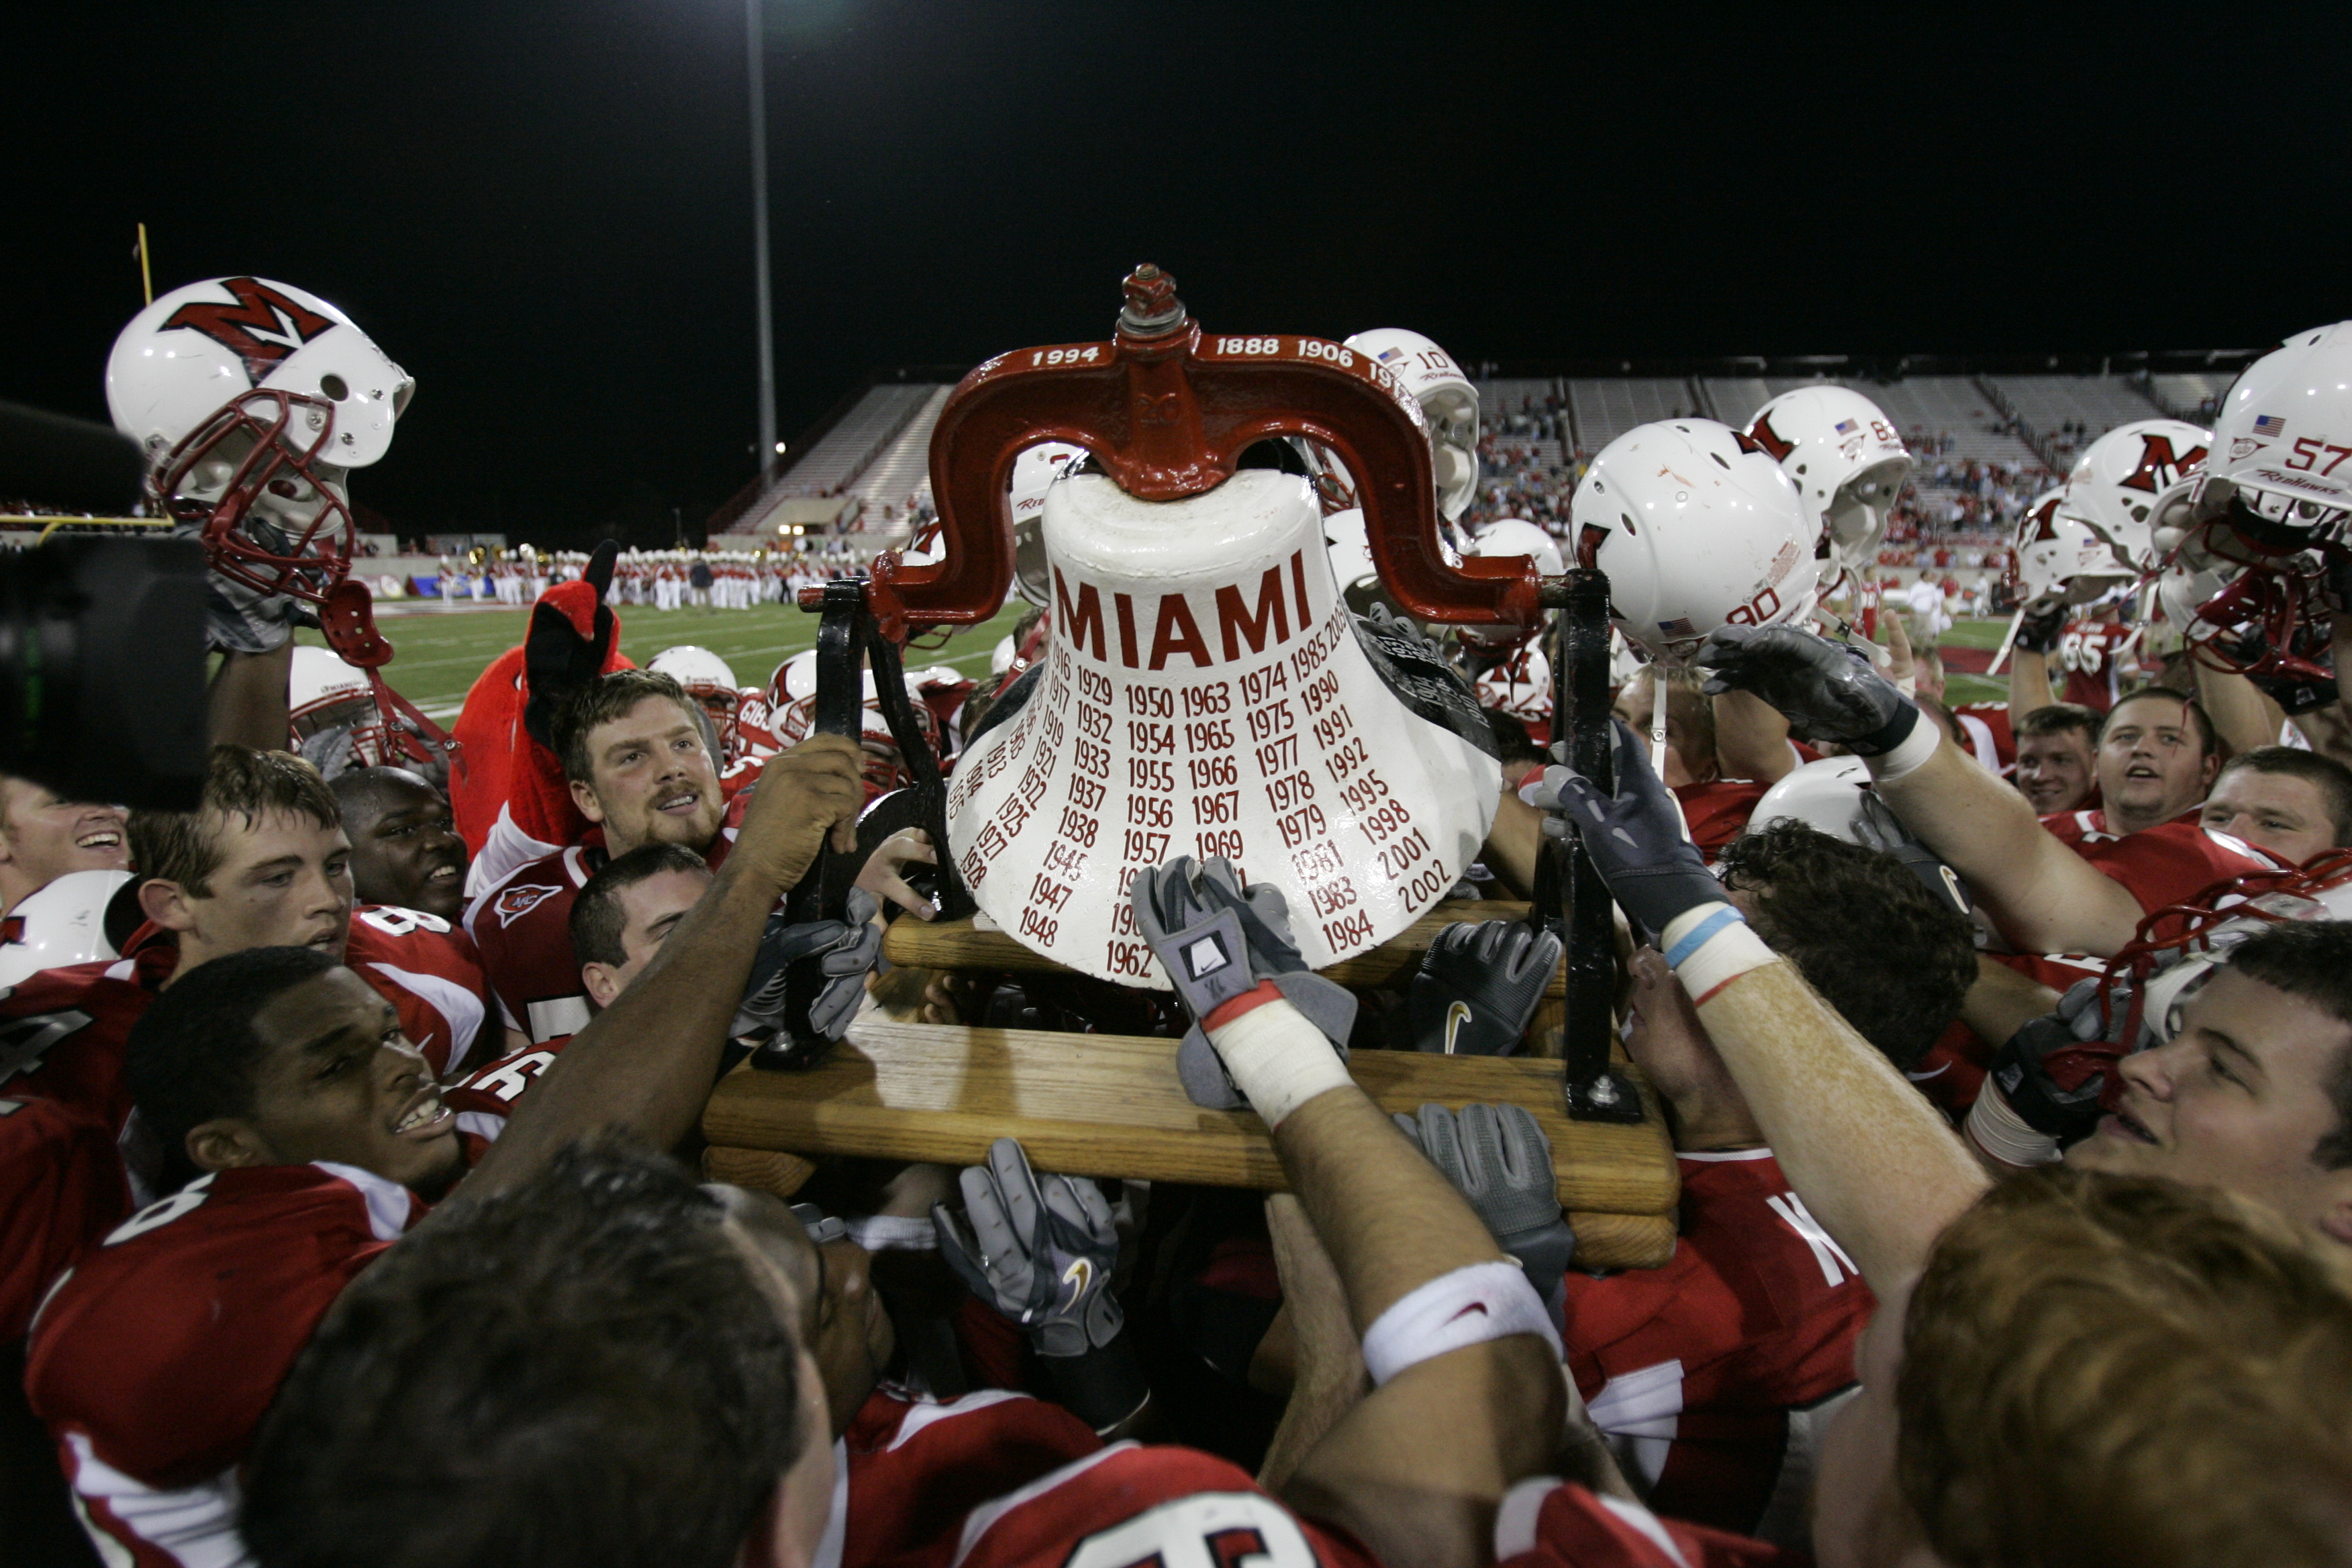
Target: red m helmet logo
{"points": [[1762, 433], [261, 328], [2159, 467]]}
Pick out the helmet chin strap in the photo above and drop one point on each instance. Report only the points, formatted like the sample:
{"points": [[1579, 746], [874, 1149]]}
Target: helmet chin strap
{"points": [[1658, 728]]}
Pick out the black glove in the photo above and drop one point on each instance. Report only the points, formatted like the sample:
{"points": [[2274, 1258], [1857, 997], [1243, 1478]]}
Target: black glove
{"points": [[1825, 692], [1498, 1158], [2038, 629], [1478, 986], [1635, 838], [2054, 1070], [849, 950], [1041, 1253], [557, 660], [1247, 938]]}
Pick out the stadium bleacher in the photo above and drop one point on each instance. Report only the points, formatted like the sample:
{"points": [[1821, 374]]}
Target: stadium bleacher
{"points": [[2192, 397], [1605, 409], [2099, 404]]}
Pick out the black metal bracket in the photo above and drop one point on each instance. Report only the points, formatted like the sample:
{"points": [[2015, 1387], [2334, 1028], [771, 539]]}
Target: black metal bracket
{"points": [[1565, 873], [848, 642]]}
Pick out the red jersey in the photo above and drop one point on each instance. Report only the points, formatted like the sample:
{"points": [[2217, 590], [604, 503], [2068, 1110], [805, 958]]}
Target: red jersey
{"points": [[915, 1468], [484, 1099], [1704, 1373], [2084, 666], [154, 1361], [432, 977], [1991, 741], [1718, 810], [1547, 1524], [62, 1186], [2160, 864], [63, 1031], [522, 926], [1128, 1505]]}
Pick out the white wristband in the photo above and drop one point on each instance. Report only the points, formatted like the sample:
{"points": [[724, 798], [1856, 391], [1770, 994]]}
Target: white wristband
{"points": [[893, 1233], [1995, 1127], [1910, 754], [1278, 1060], [1477, 1302], [1724, 956]]}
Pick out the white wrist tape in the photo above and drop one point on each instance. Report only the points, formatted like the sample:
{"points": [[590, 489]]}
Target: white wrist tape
{"points": [[893, 1233], [1726, 950], [1910, 754], [1995, 1127], [1278, 1060], [1475, 1303]]}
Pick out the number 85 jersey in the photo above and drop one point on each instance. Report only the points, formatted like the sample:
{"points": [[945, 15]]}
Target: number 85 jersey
{"points": [[1127, 1506]]}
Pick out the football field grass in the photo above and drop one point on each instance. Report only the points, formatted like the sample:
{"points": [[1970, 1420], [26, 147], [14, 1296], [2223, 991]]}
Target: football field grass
{"points": [[440, 651]]}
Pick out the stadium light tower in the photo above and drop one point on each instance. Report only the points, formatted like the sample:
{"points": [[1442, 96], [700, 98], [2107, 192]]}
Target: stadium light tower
{"points": [[755, 30]]}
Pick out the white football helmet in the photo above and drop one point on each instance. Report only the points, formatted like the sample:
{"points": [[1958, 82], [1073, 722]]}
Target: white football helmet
{"points": [[1697, 528], [1511, 536], [1447, 400], [323, 693], [63, 923], [2282, 443], [2129, 478], [1846, 458], [1516, 536], [1834, 797], [1521, 686], [1033, 473], [702, 672], [2057, 554], [252, 400]]}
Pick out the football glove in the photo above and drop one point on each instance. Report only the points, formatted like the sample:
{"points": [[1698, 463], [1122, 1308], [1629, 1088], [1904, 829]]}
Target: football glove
{"points": [[1478, 986]]}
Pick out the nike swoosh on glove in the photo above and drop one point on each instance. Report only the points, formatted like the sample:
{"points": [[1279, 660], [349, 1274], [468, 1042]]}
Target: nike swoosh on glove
{"points": [[1478, 986]]}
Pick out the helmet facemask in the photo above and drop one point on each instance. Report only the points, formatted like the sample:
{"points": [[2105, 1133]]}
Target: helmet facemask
{"points": [[272, 513]]}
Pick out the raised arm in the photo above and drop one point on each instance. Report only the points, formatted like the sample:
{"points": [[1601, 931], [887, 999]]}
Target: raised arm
{"points": [[1871, 1158], [2044, 897], [645, 1064], [2243, 716], [1455, 1340], [1751, 739], [2029, 671]]}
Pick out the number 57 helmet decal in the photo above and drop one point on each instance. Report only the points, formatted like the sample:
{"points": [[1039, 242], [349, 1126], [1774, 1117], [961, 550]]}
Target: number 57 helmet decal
{"points": [[1206, 689]]}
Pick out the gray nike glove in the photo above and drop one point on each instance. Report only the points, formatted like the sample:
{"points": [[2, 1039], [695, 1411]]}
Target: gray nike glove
{"points": [[1498, 1158], [1478, 986], [1217, 941], [331, 751], [1041, 1252], [1634, 837], [1825, 691], [849, 953]]}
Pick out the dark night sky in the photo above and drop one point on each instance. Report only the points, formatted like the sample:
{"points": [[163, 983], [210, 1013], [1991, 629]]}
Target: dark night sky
{"points": [[541, 209]]}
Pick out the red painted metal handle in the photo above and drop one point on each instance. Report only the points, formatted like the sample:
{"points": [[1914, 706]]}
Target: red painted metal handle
{"points": [[1167, 410]]}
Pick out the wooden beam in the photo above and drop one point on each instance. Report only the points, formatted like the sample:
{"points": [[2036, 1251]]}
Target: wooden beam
{"points": [[956, 944], [1110, 1105], [1602, 1240]]}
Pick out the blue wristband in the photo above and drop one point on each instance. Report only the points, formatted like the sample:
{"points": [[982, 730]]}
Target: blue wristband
{"points": [[1698, 935]]}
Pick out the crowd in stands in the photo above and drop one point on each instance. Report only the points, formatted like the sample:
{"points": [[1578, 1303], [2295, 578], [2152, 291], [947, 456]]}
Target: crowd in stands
{"points": [[355, 1207]]}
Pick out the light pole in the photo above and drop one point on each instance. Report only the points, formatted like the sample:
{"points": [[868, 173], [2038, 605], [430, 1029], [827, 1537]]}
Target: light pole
{"points": [[755, 33]]}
